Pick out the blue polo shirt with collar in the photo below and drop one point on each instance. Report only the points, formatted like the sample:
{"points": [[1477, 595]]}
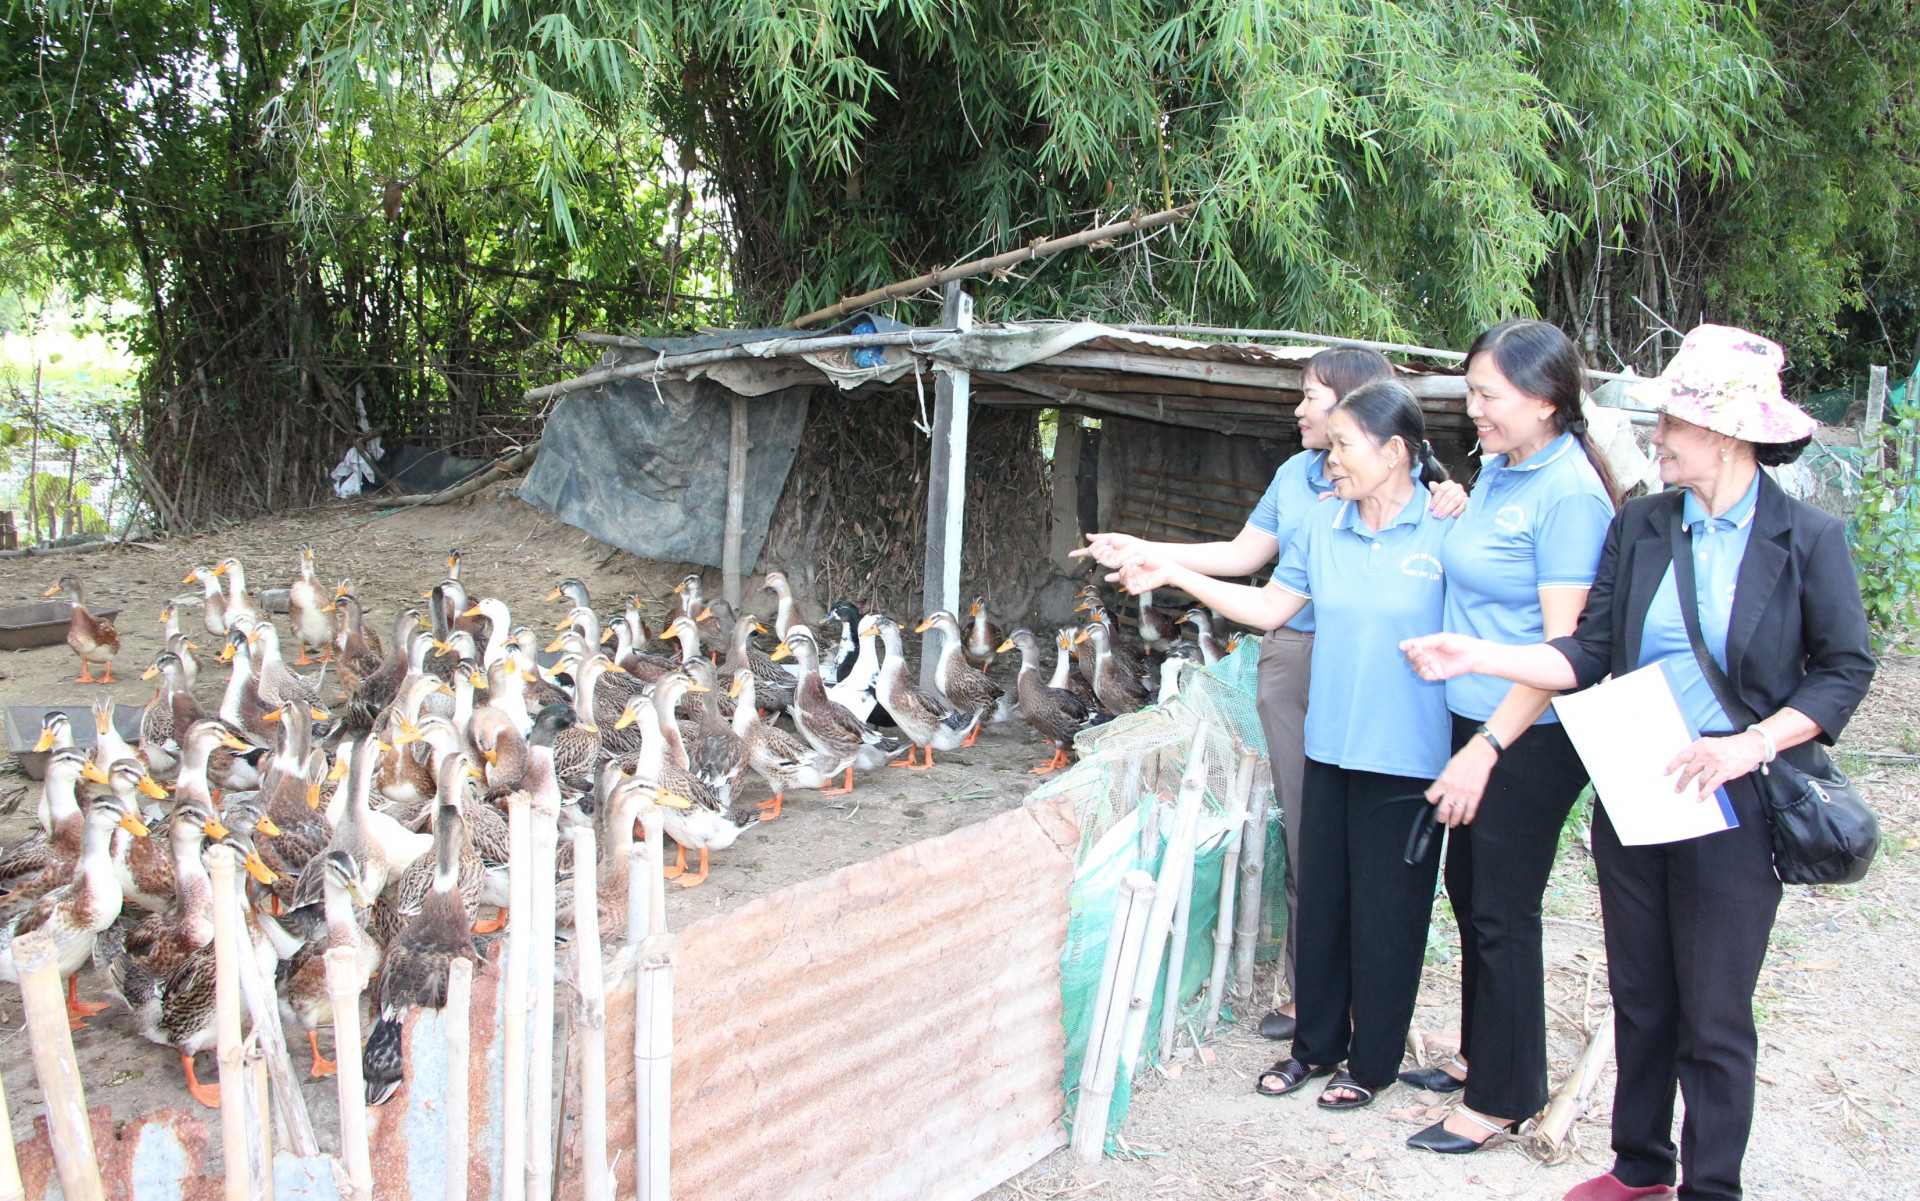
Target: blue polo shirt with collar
{"points": [[1297, 487], [1719, 544], [1537, 525], [1367, 710]]}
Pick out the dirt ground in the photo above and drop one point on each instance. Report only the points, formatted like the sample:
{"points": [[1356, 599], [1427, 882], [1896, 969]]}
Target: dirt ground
{"points": [[509, 550], [1839, 1009]]}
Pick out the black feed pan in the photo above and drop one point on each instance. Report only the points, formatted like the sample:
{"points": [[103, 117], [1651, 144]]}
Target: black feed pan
{"points": [[41, 624], [23, 730]]}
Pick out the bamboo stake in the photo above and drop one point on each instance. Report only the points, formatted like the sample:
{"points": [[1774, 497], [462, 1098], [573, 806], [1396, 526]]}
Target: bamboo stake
{"points": [[637, 859], [234, 1136], [590, 1015], [519, 960], [1253, 869], [1040, 248], [653, 1068], [1223, 931], [1173, 869], [344, 983], [1176, 955], [44, 1002], [1570, 1099], [263, 1007], [545, 836], [454, 1023], [257, 1103], [1124, 940], [11, 1188], [653, 821]]}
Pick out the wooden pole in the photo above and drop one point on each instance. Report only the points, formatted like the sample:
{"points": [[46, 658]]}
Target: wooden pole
{"points": [[1125, 938], [1223, 931], [1876, 405], [1253, 868], [590, 1015], [946, 485], [1064, 505], [737, 447], [1038, 249], [227, 949], [1173, 869], [263, 1007], [44, 1002], [11, 1188], [519, 962], [545, 835], [344, 983], [454, 1021], [653, 1067], [1570, 1099], [1176, 957]]}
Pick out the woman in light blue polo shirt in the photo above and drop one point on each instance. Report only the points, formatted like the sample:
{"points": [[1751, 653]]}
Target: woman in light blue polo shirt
{"points": [[1376, 735], [1285, 653], [1519, 562]]}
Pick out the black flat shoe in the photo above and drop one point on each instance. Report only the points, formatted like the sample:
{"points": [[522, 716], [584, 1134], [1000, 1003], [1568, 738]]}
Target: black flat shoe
{"points": [[1343, 1081], [1278, 1026], [1439, 1139], [1434, 1080], [1288, 1075]]}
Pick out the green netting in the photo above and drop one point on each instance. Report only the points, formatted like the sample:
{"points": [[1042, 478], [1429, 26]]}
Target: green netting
{"points": [[1123, 789]]}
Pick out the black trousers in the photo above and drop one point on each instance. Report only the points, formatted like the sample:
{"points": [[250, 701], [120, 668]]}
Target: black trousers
{"points": [[1497, 870], [1687, 926], [1363, 920]]}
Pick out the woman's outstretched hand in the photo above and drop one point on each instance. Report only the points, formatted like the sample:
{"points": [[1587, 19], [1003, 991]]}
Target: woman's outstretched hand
{"points": [[1144, 571], [1441, 656], [1111, 550]]}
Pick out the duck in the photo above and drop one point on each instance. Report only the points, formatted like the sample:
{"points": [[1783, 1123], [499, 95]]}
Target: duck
{"points": [[241, 705], [156, 718], [786, 613], [627, 800], [706, 824], [777, 757], [1116, 687], [494, 738], [573, 591], [832, 730], [1123, 649], [379, 687], [499, 621], [966, 687], [56, 733], [407, 783], [924, 717], [694, 607], [278, 683], [1178, 655], [1211, 651], [108, 746], [172, 637], [292, 802], [42, 862], [1054, 712], [834, 667], [164, 939], [240, 603], [302, 980], [1064, 676], [507, 694], [773, 684], [858, 689], [984, 638], [140, 864], [1159, 629], [213, 604], [413, 974], [92, 638], [483, 860], [715, 753], [575, 742], [75, 912], [378, 842], [351, 637], [644, 667], [309, 614]]}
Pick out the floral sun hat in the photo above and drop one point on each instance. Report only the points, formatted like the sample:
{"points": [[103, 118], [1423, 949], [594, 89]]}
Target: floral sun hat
{"points": [[1727, 380]]}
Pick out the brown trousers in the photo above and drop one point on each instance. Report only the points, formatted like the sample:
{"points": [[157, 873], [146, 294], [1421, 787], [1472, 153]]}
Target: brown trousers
{"points": [[1286, 663]]}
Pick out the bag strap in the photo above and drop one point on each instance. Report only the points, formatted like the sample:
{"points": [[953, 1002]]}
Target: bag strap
{"points": [[1738, 711]]}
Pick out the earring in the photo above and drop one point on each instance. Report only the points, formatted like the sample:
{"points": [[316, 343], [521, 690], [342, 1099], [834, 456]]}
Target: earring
{"points": [[1725, 454]]}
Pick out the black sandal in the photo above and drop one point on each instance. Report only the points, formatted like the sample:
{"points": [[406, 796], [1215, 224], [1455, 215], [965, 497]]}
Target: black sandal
{"points": [[1343, 1080], [1291, 1073]]}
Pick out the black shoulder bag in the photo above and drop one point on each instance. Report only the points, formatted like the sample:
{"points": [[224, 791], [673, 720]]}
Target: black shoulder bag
{"points": [[1823, 832]]}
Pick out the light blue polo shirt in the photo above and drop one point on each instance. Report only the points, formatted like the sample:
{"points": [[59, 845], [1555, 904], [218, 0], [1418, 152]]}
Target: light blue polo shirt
{"points": [[1296, 488], [1538, 525], [1366, 708], [1719, 544]]}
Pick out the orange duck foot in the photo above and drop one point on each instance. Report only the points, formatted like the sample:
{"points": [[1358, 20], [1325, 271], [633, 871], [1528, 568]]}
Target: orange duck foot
{"points": [[908, 761], [695, 881], [925, 765], [972, 737], [679, 867], [769, 810], [496, 922], [78, 1009], [844, 789], [207, 1094], [321, 1067], [1058, 761], [302, 661]]}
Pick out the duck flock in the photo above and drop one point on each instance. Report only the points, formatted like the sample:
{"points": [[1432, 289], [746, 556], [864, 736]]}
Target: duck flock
{"points": [[367, 798]]}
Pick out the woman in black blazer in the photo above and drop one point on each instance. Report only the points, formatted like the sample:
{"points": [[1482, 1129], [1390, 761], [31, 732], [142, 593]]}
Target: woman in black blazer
{"points": [[1779, 608]]}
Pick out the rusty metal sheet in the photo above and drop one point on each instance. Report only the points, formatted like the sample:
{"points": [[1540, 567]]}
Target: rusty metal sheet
{"points": [[889, 1031]]}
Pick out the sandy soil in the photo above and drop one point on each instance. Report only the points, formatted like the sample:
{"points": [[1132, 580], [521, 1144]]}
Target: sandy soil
{"points": [[1839, 1010], [509, 550]]}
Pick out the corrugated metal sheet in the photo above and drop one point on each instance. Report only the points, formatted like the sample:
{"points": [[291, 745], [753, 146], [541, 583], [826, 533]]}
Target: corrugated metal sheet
{"points": [[887, 1032]]}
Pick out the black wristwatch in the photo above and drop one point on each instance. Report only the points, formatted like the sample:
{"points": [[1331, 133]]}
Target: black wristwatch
{"points": [[1492, 739]]}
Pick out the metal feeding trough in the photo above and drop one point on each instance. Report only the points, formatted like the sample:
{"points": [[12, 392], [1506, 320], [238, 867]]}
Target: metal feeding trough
{"points": [[23, 730], [41, 624]]}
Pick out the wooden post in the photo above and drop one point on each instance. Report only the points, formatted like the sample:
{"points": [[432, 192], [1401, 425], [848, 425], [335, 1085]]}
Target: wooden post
{"points": [[344, 983], [1253, 869], [513, 1174], [454, 1023], [1125, 938], [1876, 405], [540, 1045], [946, 482], [1064, 534], [1174, 867], [737, 447], [227, 949], [590, 1015], [11, 1188], [45, 1003], [653, 1067], [263, 1007]]}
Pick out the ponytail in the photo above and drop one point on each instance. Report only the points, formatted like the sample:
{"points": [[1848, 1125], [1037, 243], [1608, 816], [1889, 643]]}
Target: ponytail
{"points": [[1386, 410], [1542, 362]]}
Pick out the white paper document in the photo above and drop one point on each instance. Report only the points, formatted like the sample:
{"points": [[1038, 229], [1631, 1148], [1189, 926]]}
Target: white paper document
{"points": [[1627, 730]]}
